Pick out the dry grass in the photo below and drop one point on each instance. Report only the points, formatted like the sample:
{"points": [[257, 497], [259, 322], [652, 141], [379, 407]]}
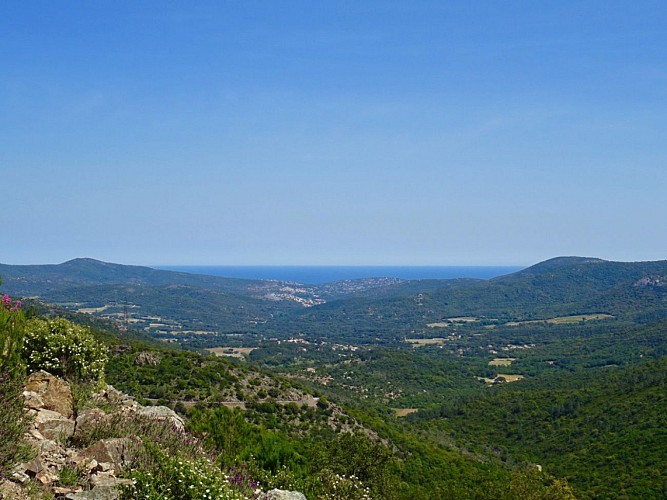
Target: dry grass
{"points": [[463, 319], [501, 361], [564, 320], [403, 412], [232, 352], [507, 378], [91, 310], [423, 342], [581, 317], [450, 321]]}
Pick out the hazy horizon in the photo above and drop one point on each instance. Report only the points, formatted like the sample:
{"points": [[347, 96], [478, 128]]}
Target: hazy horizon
{"points": [[361, 265]]}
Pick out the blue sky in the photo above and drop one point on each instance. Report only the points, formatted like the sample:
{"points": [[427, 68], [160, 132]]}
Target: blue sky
{"points": [[407, 133]]}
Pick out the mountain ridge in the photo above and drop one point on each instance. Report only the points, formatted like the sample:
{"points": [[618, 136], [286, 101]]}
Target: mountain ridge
{"points": [[173, 302]]}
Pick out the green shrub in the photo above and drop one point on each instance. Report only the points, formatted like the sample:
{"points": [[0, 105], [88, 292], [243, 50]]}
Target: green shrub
{"points": [[12, 323], [141, 427], [69, 476], [328, 485], [13, 420], [175, 477], [63, 348]]}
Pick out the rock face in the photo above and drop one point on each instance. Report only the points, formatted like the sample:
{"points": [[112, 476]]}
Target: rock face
{"points": [[282, 495], [119, 452], [54, 426], [89, 419], [55, 394], [162, 413], [49, 400], [147, 358]]}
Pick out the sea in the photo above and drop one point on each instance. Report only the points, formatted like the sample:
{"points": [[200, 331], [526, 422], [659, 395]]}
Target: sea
{"points": [[316, 275]]}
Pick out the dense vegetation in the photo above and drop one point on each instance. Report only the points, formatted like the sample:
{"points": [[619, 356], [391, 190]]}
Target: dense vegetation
{"points": [[605, 429], [562, 364]]}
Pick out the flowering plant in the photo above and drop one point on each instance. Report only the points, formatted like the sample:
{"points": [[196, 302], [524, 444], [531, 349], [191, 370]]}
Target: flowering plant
{"points": [[64, 348], [11, 335], [174, 477], [13, 419]]}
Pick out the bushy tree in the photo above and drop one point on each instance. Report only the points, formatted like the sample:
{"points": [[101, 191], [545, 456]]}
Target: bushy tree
{"points": [[63, 348]]}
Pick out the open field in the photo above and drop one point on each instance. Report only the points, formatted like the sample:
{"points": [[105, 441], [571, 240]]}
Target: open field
{"points": [[447, 322], [564, 320], [501, 361], [403, 412], [423, 342], [232, 352], [501, 378], [92, 310]]}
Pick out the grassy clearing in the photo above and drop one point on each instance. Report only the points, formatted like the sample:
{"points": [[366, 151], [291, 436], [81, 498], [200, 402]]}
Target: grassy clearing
{"points": [[232, 352], [501, 361], [463, 319], [423, 342], [404, 412], [564, 320], [501, 378], [581, 317], [92, 310], [450, 321]]}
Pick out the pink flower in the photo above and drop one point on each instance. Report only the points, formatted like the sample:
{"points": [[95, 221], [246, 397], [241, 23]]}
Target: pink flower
{"points": [[18, 305], [6, 301]]}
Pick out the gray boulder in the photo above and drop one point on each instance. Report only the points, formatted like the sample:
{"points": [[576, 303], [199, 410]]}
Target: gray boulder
{"points": [[282, 495], [117, 451], [162, 413], [89, 419], [53, 425]]}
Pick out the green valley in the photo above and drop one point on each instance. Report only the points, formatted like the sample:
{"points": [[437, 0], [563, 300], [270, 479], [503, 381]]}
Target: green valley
{"points": [[546, 383]]}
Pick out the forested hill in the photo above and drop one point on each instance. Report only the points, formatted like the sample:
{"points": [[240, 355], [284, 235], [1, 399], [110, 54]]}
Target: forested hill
{"points": [[38, 279], [557, 287], [574, 285], [170, 302], [372, 308], [46, 280]]}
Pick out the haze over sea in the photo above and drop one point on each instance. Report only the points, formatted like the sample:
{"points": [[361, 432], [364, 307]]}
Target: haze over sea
{"points": [[324, 274]]}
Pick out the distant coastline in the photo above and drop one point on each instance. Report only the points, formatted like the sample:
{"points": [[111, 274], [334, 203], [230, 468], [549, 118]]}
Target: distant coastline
{"points": [[315, 275]]}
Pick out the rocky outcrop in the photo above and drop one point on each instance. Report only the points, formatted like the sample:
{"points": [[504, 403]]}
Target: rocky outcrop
{"points": [[54, 393], [281, 495], [53, 426], [49, 400], [146, 358], [89, 419], [162, 413], [118, 452]]}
